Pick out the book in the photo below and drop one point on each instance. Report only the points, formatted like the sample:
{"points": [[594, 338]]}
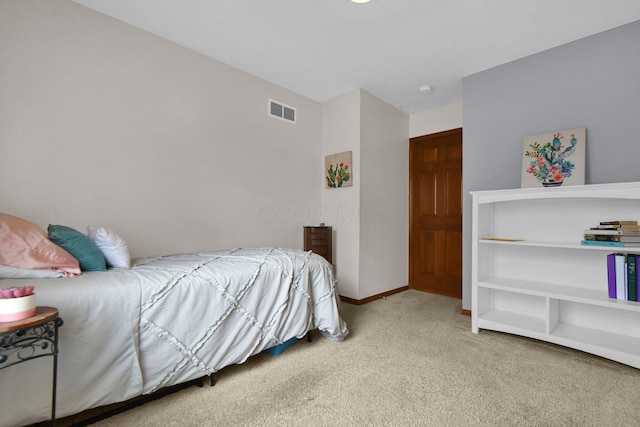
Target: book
{"points": [[603, 237], [615, 232], [632, 294], [603, 232], [607, 226], [605, 243], [621, 289], [611, 275], [637, 279], [626, 272], [625, 222], [604, 229], [611, 238]]}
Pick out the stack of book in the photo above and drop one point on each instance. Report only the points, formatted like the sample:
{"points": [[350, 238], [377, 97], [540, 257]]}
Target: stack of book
{"points": [[623, 277], [613, 233]]}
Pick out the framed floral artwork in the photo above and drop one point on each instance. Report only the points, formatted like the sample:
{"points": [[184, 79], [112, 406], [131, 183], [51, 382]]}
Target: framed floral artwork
{"points": [[554, 159], [338, 170]]}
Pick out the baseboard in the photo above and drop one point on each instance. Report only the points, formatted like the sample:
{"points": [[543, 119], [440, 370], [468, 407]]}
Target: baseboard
{"points": [[373, 297], [465, 312]]}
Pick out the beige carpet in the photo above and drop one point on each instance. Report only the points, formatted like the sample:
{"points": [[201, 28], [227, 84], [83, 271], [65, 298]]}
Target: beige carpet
{"points": [[411, 360]]}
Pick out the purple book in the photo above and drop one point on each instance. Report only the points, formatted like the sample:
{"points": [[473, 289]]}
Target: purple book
{"points": [[611, 274]]}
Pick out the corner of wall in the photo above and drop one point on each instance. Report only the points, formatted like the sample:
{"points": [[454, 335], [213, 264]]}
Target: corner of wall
{"points": [[341, 206]]}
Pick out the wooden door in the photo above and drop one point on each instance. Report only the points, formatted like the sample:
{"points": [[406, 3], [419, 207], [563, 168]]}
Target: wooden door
{"points": [[435, 213]]}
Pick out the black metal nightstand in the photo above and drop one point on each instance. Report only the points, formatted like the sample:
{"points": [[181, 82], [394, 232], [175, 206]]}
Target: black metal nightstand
{"points": [[32, 338]]}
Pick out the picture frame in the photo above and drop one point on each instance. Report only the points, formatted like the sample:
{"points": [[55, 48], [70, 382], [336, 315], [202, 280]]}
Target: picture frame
{"points": [[554, 159], [338, 170]]}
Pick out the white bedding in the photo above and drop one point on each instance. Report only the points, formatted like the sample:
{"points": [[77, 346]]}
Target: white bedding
{"points": [[168, 320]]}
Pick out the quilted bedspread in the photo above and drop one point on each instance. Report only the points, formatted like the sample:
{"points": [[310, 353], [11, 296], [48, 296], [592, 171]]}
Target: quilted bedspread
{"points": [[251, 299], [167, 320]]}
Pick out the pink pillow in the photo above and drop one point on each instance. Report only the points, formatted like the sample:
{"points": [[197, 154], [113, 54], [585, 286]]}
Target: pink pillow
{"points": [[25, 245]]}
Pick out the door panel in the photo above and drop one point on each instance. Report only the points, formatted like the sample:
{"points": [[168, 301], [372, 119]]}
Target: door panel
{"points": [[428, 202], [454, 201], [435, 235]]}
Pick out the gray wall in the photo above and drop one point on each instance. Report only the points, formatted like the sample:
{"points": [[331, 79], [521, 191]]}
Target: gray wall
{"points": [[592, 83]]}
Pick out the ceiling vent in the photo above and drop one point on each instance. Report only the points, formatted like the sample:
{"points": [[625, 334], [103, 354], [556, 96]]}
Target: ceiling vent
{"points": [[280, 111]]}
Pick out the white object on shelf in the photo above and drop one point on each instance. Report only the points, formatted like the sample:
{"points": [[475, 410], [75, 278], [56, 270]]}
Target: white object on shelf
{"points": [[546, 285]]}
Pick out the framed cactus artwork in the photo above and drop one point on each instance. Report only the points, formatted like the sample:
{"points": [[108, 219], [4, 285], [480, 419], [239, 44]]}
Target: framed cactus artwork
{"points": [[338, 171], [554, 159]]}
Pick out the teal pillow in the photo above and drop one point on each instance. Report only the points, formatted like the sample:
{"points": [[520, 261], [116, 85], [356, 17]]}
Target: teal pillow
{"points": [[78, 245]]}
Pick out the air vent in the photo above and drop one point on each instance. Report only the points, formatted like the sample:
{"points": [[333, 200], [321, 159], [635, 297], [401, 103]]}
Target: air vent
{"points": [[280, 111]]}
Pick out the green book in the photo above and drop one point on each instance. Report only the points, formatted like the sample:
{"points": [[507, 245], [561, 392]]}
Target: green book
{"points": [[632, 287]]}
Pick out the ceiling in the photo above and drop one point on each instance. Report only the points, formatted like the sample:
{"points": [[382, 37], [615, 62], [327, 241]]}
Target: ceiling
{"points": [[325, 48]]}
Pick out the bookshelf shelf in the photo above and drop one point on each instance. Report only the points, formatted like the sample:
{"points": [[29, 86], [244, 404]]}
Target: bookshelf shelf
{"points": [[561, 245], [587, 337], [514, 323], [531, 276], [558, 291]]}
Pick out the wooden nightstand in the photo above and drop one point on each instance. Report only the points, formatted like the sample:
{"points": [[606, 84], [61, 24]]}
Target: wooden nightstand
{"points": [[319, 239], [32, 338]]}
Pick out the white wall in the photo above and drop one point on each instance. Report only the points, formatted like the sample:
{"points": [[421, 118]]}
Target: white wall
{"points": [[384, 197], [370, 219], [435, 120], [105, 124], [341, 206]]}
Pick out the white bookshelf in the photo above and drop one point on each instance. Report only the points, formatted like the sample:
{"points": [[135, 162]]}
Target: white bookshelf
{"points": [[546, 285]]}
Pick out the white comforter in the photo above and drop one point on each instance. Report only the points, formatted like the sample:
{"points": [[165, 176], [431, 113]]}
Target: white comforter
{"points": [[168, 320]]}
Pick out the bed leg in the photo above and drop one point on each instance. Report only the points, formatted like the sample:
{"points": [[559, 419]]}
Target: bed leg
{"points": [[212, 380], [309, 336]]}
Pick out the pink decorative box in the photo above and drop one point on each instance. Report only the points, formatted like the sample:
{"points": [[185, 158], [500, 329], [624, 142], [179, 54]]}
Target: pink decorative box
{"points": [[12, 309]]}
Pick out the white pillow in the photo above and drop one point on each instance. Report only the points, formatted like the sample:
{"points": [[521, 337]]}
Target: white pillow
{"points": [[10, 272], [114, 249]]}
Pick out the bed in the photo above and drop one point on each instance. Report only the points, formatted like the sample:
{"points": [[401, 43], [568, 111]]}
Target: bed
{"points": [[168, 320]]}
